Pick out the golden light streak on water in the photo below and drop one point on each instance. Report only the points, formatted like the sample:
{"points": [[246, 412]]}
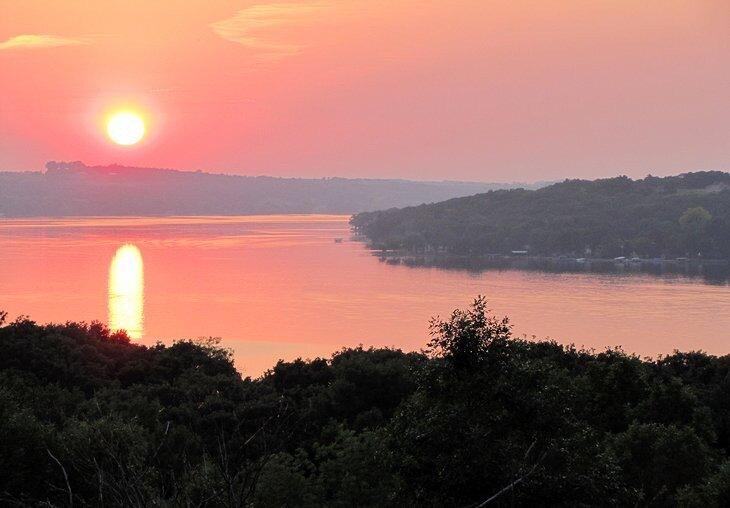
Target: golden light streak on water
{"points": [[126, 291]]}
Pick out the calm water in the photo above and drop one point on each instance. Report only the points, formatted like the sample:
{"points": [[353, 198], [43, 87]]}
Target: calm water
{"points": [[280, 287]]}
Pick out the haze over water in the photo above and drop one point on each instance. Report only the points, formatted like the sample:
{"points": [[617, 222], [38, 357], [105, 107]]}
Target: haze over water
{"points": [[280, 287]]}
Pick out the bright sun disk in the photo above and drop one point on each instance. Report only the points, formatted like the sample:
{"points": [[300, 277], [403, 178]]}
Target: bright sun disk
{"points": [[125, 128]]}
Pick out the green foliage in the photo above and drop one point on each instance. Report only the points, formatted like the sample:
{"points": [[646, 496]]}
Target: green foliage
{"points": [[695, 218], [674, 216], [657, 460], [713, 493], [88, 418], [468, 338]]}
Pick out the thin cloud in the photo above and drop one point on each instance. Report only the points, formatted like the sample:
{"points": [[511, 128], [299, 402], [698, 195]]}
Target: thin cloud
{"points": [[32, 41], [249, 26]]}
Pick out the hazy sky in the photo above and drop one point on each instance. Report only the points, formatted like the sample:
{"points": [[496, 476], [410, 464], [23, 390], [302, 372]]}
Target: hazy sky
{"points": [[451, 89]]}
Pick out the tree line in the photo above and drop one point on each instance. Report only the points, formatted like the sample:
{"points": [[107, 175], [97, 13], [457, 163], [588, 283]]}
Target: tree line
{"points": [[75, 189], [686, 215], [478, 418]]}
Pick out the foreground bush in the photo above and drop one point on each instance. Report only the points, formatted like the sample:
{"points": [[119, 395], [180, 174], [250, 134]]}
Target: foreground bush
{"points": [[479, 418]]}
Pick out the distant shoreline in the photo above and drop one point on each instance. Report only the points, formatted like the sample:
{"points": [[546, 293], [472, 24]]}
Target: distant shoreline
{"points": [[711, 269], [75, 189]]}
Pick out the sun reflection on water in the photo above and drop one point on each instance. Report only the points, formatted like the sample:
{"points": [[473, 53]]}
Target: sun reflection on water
{"points": [[126, 291]]}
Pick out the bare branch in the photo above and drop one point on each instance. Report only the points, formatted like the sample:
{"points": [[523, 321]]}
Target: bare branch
{"points": [[65, 477], [518, 480]]}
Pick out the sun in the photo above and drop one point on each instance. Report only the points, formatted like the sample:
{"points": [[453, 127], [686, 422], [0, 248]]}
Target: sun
{"points": [[125, 128]]}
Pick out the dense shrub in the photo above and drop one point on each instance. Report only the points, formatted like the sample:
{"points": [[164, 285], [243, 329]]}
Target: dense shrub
{"points": [[89, 418]]}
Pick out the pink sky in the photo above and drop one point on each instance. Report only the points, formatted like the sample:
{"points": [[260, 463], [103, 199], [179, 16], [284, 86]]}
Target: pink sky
{"points": [[450, 89]]}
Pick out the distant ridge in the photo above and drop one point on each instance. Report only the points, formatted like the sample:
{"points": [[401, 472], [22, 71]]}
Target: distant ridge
{"points": [[75, 189]]}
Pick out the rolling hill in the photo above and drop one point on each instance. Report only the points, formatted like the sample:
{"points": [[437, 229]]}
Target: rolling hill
{"points": [[684, 215], [74, 189]]}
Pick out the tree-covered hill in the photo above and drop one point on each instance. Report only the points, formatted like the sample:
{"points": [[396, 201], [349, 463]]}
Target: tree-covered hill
{"points": [[88, 418], [75, 189], [686, 215]]}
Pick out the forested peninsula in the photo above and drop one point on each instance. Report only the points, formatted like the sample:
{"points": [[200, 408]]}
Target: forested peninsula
{"points": [[685, 216], [479, 418]]}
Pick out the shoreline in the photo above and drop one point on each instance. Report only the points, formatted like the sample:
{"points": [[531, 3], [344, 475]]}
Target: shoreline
{"points": [[712, 270]]}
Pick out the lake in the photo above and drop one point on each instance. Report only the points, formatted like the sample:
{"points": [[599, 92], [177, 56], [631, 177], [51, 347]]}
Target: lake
{"points": [[282, 286]]}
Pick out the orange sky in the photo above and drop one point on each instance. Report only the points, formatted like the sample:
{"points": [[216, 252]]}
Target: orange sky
{"points": [[457, 89]]}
